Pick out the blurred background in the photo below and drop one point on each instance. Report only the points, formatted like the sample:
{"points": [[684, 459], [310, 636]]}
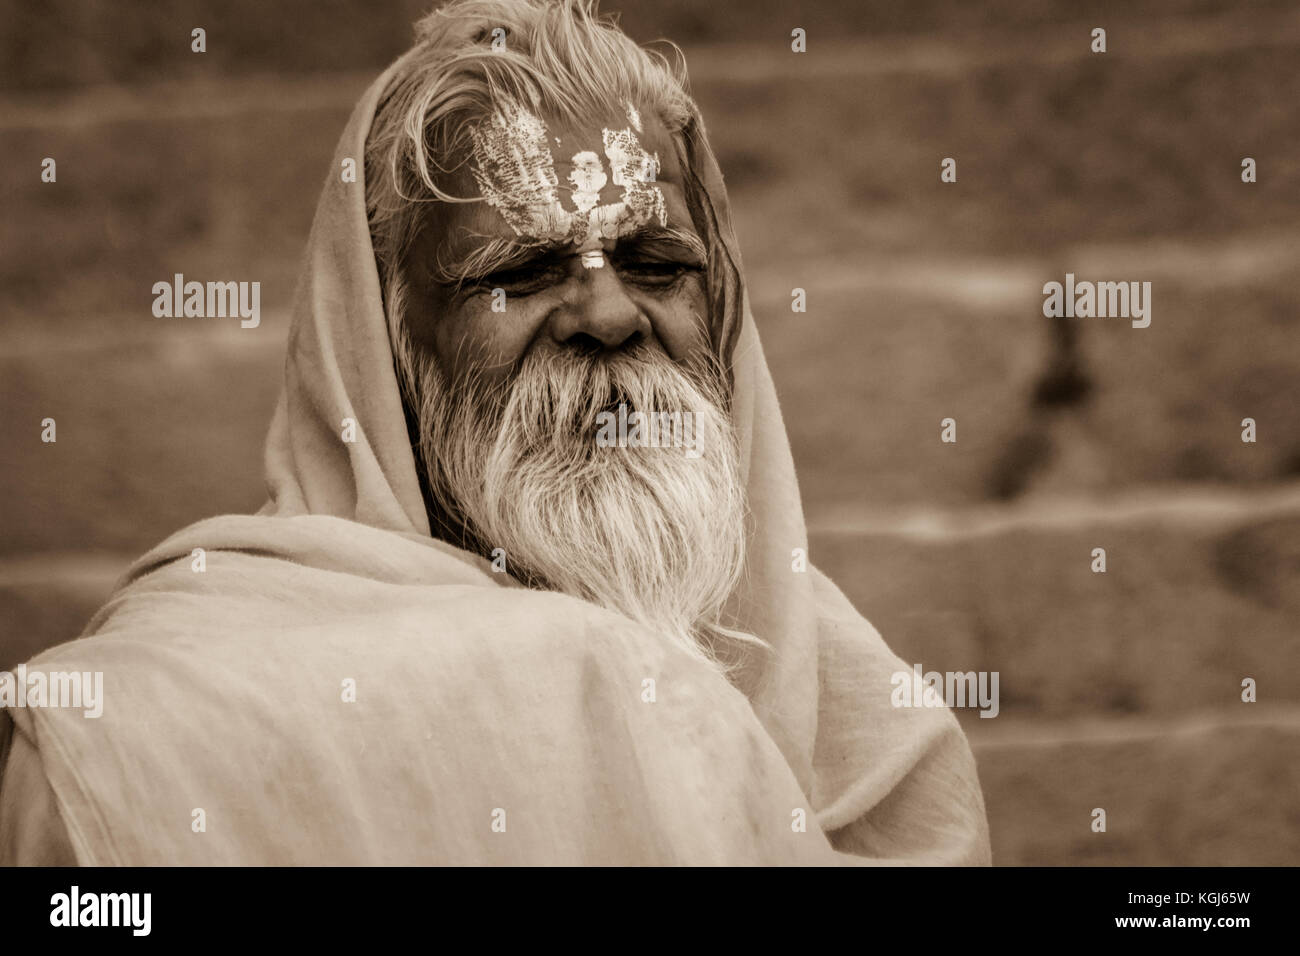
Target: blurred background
{"points": [[1118, 690]]}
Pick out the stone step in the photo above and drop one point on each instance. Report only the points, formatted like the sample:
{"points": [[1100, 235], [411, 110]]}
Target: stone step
{"points": [[191, 398], [227, 199], [194, 177], [1217, 788], [927, 308], [866, 378], [152, 433], [1190, 604], [65, 45]]}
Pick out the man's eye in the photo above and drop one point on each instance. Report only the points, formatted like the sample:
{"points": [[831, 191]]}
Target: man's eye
{"points": [[524, 280], [655, 272]]}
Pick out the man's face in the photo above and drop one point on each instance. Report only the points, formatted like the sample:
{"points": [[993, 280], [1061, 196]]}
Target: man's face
{"points": [[605, 305], [586, 231]]}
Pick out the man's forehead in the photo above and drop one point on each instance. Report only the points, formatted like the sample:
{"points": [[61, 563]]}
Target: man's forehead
{"points": [[560, 182], [573, 142]]}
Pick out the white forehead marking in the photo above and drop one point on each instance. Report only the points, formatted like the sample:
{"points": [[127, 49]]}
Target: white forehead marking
{"points": [[636, 171], [588, 179], [634, 117], [515, 171]]}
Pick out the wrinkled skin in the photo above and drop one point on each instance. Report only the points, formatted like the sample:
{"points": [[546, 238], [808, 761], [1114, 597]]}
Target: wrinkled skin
{"points": [[648, 290]]}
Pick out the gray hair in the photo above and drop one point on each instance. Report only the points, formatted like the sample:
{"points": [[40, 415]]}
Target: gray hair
{"points": [[561, 59]]}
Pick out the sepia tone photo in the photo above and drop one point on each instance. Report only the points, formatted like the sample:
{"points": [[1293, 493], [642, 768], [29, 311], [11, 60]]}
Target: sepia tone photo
{"points": [[543, 433]]}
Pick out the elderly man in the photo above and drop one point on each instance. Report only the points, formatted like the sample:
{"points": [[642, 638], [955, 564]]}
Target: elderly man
{"points": [[491, 614]]}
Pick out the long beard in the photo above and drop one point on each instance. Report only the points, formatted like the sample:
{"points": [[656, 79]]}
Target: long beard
{"points": [[653, 533]]}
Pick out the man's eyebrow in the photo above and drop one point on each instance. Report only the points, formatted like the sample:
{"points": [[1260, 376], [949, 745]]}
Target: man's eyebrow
{"points": [[497, 254], [501, 254], [651, 235]]}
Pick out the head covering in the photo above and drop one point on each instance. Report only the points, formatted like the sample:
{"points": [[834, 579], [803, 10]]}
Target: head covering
{"points": [[337, 578]]}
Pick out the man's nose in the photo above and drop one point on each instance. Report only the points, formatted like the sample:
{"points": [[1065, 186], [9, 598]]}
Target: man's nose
{"points": [[601, 310]]}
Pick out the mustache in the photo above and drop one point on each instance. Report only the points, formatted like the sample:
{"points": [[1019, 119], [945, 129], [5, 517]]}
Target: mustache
{"points": [[571, 388]]}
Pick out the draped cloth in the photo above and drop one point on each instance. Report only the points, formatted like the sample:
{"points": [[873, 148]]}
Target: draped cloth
{"points": [[335, 686]]}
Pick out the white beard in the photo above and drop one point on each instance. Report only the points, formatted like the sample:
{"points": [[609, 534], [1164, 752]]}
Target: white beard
{"points": [[645, 531]]}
